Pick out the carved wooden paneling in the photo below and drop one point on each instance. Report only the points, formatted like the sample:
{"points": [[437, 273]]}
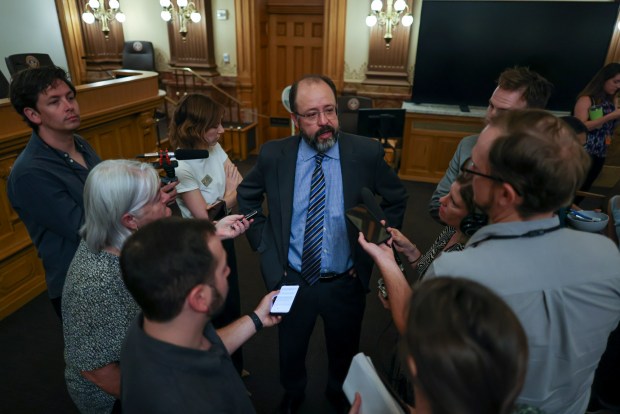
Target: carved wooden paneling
{"points": [[388, 66], [429, 142], [196, 50], [22, 278], [335, 22], [613, 53], [96, 47], [295, 49], [69, 18]]}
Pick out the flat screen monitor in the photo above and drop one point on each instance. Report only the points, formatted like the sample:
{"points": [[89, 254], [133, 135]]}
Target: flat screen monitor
{"points": [[381, 122], [463, 46]]}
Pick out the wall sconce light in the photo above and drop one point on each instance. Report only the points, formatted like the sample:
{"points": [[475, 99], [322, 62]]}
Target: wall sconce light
{"points": [[185, 10], [95, 10], [389, 18]]}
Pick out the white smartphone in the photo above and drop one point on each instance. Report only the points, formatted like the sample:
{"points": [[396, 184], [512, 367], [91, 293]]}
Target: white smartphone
{"points": [[283, 301]]}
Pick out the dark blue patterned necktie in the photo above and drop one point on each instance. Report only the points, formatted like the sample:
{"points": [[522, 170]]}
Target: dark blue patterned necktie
{"points": [[313, 236]]}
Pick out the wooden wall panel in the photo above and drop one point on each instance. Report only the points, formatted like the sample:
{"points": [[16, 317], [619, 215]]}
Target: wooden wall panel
{"points": [[429, 142], [295, 49], [388, 66], [197, 50]]}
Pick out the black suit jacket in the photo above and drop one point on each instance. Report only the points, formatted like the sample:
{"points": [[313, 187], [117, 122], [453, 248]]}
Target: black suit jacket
{"points": [[362, 164]]}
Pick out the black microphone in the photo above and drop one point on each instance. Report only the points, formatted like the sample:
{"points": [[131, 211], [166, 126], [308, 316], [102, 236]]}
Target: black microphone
{"points": [[179, 154], [371, 203]]}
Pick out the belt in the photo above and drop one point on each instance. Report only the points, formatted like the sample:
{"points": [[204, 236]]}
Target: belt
{"points": [[328, 277], [325, 277]]}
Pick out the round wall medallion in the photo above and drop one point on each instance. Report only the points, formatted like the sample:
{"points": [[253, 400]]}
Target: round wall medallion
{"points": [[32, 61], [353, 104]]}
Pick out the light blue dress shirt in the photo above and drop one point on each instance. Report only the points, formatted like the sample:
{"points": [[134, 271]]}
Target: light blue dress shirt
{"points": [[336, 255]]}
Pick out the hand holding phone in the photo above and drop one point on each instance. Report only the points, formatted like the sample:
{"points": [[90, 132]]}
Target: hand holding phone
{"points": [[250, 215], [283, 301]]}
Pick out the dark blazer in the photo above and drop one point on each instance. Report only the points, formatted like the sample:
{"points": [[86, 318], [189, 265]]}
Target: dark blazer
{"points": [[362, 165]]}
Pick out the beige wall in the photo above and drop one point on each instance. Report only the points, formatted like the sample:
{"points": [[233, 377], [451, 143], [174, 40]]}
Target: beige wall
{"points": [[24, 31]]}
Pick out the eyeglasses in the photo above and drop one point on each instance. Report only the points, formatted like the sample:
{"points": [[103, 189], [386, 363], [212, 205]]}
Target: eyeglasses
{"points": [[467, 169], [331, 112]]}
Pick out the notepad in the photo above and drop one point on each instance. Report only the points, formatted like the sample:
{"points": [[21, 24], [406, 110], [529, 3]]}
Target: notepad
{"points": [[363, 378]]}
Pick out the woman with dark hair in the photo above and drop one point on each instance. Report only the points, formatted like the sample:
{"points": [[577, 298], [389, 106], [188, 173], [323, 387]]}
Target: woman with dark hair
{"points": [[596, 108], [205, 183], [454, 207], [464, 348]]}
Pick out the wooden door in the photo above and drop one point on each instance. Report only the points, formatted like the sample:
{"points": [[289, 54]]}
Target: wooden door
{"points": [[295, 48]]}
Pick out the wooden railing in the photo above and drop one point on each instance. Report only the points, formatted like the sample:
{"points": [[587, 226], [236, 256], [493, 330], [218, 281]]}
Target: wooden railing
{"points": [[238, 121]]}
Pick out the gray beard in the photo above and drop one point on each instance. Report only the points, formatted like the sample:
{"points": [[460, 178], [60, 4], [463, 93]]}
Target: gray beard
{"points": [[323, 146]]}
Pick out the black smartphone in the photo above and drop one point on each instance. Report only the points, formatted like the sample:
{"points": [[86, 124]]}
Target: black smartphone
{"points": [[369, 225], [250, 215], [217, 210]]}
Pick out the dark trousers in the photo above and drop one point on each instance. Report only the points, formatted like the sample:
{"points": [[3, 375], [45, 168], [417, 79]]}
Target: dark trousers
{"points": [[607, 377], [340, 303], [57, 304], [232, 307]]}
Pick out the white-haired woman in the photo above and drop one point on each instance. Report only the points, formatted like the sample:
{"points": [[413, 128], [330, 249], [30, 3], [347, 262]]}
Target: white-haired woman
{"points": [[120, 196]]}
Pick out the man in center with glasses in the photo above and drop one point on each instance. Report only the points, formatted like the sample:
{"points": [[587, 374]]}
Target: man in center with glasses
{"points": [[310, 180]]}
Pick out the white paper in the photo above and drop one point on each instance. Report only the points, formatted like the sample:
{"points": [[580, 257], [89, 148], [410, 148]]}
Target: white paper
{"points": [[363, 378], [284, 300]]}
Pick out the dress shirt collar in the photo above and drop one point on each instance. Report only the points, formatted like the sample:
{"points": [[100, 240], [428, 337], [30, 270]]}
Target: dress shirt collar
{"points": [[306, 152]]}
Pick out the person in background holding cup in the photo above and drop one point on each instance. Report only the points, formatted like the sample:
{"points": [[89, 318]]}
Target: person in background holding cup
{"points": [[596, 108]]}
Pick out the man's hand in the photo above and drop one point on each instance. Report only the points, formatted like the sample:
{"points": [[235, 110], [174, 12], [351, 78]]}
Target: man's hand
{"points": [[169, 191], [263, 308], [231, 226]]}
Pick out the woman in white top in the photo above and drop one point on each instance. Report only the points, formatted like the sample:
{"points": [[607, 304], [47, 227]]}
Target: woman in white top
{"points": [[204, 183]]}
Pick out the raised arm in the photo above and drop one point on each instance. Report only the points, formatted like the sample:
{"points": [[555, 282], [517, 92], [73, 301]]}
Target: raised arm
{"points": [[397, 287]]}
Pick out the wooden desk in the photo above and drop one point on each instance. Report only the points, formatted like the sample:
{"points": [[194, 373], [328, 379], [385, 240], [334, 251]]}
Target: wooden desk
{"points": [[430, 138], [117, 120]]}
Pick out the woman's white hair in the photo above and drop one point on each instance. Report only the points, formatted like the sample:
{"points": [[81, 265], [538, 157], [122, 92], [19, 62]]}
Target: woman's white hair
{"points": [[113, 188]]}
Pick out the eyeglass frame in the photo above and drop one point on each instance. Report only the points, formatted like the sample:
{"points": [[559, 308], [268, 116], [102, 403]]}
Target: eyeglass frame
{"points": [[317, 114], [465, 170]]}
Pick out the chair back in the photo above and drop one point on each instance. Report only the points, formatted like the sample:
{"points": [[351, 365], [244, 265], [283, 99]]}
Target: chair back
{"points": [[348, 107], [138, 55], [21, 61], [4, 87]]}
